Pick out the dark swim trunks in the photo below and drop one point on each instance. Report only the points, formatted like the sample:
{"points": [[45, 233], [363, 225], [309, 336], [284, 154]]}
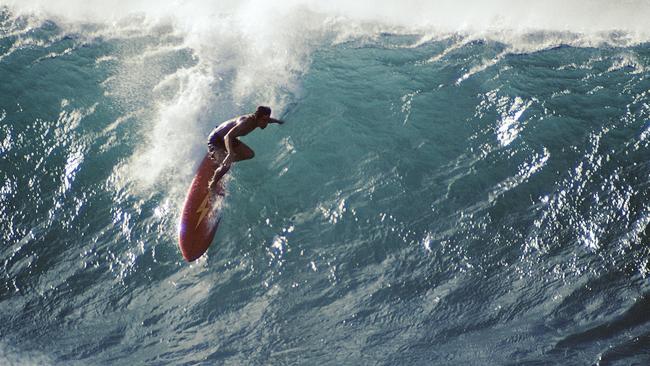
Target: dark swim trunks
{"points": [[216, 144]]}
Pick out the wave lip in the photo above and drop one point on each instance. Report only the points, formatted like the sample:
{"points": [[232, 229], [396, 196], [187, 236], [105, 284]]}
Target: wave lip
{"points": [[579, 16]]}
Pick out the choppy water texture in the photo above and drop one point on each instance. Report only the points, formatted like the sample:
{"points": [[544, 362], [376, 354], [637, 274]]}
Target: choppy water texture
{"points": [[432, 199]]}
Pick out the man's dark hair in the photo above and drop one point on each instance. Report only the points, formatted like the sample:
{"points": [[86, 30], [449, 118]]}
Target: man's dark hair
{"points": [[263, 111]]}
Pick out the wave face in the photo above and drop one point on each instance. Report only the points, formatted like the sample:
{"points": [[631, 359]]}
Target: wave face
{"points": [[459, 184]]}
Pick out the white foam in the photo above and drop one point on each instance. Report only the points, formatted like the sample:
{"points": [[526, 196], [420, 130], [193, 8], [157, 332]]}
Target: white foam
{"points": [[509, 126], [266, 20], [10, 355], [175, 130]]}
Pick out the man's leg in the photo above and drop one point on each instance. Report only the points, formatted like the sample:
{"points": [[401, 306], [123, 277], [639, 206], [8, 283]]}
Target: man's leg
{"points": [[217, 153], [242, 152]]}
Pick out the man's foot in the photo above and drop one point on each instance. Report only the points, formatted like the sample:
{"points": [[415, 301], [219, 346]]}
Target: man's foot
{"points": [[218, 174], [211, 188]]}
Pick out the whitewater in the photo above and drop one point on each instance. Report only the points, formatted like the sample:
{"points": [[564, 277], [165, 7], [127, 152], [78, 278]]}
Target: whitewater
{"points": [[457, 182]]}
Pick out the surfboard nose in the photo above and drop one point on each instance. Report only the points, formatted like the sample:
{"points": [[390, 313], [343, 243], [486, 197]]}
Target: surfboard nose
{"points": [[190, 257], [191, 242]]}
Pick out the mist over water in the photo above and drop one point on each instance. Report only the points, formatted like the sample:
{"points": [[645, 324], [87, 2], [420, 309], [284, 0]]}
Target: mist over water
{"points": [[465, 182]]}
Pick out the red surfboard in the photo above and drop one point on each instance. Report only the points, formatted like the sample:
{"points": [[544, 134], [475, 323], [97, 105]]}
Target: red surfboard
{"points": [[201, 211]]}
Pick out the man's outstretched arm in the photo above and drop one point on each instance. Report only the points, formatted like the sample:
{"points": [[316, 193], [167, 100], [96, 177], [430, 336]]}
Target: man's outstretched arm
{"points": [[278, 121]]}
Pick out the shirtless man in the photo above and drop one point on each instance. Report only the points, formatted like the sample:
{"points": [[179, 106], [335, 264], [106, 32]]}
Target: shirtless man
{"points": [[224, 137]]}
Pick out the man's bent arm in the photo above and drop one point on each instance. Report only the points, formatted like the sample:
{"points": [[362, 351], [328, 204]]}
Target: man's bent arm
{"points": [[228, 141], [238, 130]]}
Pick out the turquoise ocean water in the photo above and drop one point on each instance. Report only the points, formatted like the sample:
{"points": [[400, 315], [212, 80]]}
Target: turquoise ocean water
{"points": [[449, 187]]}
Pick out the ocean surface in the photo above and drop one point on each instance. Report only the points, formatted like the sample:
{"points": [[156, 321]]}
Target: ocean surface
{"points": [[449, 188]]}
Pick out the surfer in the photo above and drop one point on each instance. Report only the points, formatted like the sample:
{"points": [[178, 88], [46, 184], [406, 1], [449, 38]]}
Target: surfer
{"points": [[225, 138]]}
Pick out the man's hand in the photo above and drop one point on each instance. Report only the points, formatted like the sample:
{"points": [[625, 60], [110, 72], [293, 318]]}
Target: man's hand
{"points": [[227, 160], [273, 120]]}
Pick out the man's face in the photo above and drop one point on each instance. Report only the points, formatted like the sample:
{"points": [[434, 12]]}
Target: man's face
{"points": [[264, 121]]}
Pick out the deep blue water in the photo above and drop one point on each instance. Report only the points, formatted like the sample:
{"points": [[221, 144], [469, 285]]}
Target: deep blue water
{"points": [[430, 200]]}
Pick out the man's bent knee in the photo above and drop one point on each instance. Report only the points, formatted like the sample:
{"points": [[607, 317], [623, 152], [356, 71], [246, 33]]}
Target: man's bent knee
{"points": [[244, 155]]}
